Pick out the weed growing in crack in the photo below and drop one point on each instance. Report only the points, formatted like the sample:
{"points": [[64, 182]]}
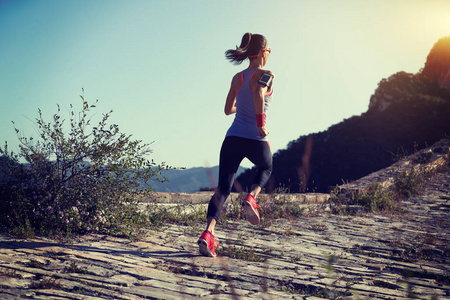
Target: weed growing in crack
{"points": [[280, 207], [34, 264], [46, 283], [296, 258], [10, 273], [318, 227], [181, 214], [410, 183], [240, 252], [374, 198], [74, 268]]}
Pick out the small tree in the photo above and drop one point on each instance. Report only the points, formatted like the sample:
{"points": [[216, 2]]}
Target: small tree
{"points": [[87, 179]]}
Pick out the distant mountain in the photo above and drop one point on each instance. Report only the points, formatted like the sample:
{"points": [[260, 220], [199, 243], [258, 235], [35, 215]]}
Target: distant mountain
{"points": [[189, 180], [179, 180], [406, 113]]}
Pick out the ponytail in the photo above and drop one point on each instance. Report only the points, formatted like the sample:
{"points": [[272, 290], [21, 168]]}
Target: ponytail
{"points": [[251, 44]]}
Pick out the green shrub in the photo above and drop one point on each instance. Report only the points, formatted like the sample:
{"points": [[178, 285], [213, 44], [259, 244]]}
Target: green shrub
{"points": [[409, 183], [279, 207], [76, 178], [240, 252], [182, 214], [372, 199], [375, 198]]}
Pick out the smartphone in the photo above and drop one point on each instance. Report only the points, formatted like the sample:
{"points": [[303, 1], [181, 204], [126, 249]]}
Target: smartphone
{"points": [[266, 79]]}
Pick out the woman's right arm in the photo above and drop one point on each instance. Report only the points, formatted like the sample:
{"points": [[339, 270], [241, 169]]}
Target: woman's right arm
{"points": [[230, 104]]}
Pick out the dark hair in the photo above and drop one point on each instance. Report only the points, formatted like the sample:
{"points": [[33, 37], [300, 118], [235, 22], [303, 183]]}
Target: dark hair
{"points": [[251, 45]]}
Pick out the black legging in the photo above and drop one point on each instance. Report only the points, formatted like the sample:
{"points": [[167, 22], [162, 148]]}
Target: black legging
{"points": [[234, 150]]}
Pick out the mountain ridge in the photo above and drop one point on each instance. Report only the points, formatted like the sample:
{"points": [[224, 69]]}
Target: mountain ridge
{"points": [[189, 180]]}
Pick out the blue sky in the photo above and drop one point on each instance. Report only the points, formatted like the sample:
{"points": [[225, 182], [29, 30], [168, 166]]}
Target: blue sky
{"points": [[160, 65]]}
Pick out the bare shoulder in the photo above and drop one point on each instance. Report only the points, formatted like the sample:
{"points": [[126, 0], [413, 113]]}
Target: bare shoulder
{"points": [[259, 72], [237, 77], [236, 82], [268, 71]]}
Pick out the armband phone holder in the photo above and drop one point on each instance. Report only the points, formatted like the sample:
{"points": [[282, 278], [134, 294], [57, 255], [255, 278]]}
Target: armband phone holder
{"points": [[266, 79]]}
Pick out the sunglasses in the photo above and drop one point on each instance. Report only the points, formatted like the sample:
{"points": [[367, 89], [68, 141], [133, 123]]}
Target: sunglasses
{"points": [[262, 51]]}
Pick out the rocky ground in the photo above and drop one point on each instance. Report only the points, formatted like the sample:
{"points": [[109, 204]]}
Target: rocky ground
{"points": [[314, 256]]}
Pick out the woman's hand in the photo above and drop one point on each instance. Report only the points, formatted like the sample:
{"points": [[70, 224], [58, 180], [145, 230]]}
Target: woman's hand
{"points": [[263, 131]]}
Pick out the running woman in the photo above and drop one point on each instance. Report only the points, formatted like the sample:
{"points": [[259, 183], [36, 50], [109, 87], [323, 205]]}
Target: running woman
{"points": [[249, 97]]}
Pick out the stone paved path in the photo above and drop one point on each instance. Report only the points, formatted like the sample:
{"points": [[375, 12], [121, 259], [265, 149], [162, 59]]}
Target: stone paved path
{"points": [[319, 256]]}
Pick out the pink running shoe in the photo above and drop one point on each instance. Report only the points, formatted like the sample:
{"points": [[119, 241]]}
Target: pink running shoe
{"points": [[251, 209], [207, 243]]}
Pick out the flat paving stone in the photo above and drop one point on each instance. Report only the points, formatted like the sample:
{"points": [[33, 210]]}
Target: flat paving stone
{"points": [[315, 256]]}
